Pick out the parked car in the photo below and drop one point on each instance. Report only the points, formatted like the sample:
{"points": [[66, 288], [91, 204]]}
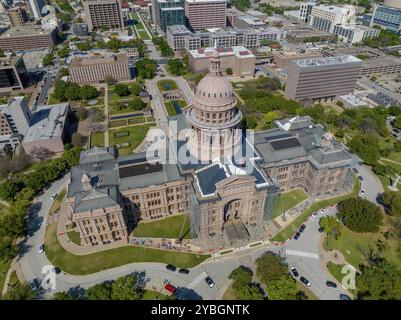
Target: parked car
{"points": [[362, 192], [209, 282], [297, 235], [41, 248], [344, 297], [54, 196], [170, 288], [294, 271], [360, 178], [305, 281], [315, 214], [324, 210], [183, 271], [302, 228], [321, 229], [34, 285], [331, 284], [57, 270], [171, 267]]}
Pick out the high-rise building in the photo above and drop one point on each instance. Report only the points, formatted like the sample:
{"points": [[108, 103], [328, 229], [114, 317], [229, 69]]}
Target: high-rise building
{"points": [[36, 6], [205, 14], [13, 74], [305, 10], [326, 17], [18, 16], [318, 79], [387, 17], [167, 13], [352, 33], [27, 38], [103, 13], [96, 69]]}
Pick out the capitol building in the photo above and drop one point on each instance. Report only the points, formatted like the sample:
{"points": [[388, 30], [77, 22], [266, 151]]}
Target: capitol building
{"points": [[229, 188]]}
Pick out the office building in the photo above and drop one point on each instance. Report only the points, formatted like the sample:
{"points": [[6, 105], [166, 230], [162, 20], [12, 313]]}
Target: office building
{"points": [[103, 13], [48, 130], [181, 38], [167, 13], [205, 14], [305, 34], [384, 65], [283, 58], [387, 17], [239, 59], [305, 11], [353, 34], [27, 38], [245, 22], [317, 79], [95, 69], [36, 7], [326, 17], [13, 74], [18, 17], [80, 29]]}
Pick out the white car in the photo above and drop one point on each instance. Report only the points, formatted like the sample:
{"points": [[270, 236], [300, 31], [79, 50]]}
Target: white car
{"points": [[54, 196], [41, 248], [324, 210], [315, 214], [362, 192]]}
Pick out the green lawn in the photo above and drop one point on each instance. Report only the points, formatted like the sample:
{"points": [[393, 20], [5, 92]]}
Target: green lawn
{"points": [[57, 202], [166, 228], [3, 208], [289, 230], [4, 266], [97, 139], [135, 137], [153, 295], [307, 291], [95, 262], [335, 270], [395, 166], [288, 200], [74, 237], [162, 85]]}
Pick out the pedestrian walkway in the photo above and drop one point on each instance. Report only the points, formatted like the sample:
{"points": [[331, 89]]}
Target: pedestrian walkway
{"points": [[302, 254], [197, 280]]}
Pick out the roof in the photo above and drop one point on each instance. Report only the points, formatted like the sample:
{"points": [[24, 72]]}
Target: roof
{"points": [[15, 32], [47, 122], [326, 61], [209, 176]]}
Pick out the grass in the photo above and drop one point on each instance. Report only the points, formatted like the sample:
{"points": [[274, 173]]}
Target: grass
{"points": [[4, 266], [13, 279], [395, 166], [230, 293], [169, 227], [307, 291], [97, 139], [288, 200], [162, 85], [3, 209], [95, 262], [57, 202], [116, 109], [136, 136], [74, 237], [289, 230], [335, 270]]}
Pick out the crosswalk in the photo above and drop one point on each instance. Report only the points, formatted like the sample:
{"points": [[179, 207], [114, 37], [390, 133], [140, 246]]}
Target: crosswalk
{"points": [[302, 254], [197, 280]]}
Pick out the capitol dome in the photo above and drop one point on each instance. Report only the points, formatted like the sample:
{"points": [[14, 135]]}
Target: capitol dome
{"points": [[213, 117]]}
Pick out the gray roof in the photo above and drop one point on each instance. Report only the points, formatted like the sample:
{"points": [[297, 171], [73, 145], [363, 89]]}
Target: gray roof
{"points": [[97, 198]]}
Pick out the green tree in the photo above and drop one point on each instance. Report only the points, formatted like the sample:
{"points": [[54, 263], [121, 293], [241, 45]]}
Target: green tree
{"points": [[243, 286], [136, 104], [176, 67], [2, 55], [122, 89], [380, 281], [100, 291], [367, 147], [135, 89], [360, 215], [229, 71], [84, 46], [270, 267], [63, 52], [331, 227], [392, 202], [87, 92], [8, 189], [20, 292], [72, 92], [146, 68], [63, 296], [124, 289], [48, 59], [283, 288]]}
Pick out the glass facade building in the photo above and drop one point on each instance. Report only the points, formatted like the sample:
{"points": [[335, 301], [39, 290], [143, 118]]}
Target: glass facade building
{"points": [[388, 18], [168, 13]]}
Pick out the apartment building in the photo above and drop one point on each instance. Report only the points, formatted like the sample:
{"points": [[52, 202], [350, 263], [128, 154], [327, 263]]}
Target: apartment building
{"points": [[205, 14], [27, 38], [103, 13], [325, 17], [317, 79], [167, 12], [95, 69]]}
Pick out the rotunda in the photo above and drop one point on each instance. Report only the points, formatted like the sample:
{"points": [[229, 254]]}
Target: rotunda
{"points": [[213, 117]]}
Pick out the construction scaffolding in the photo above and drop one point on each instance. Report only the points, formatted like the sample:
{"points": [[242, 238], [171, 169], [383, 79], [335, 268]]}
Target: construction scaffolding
{"points": [[194, 213], [270, 201]]}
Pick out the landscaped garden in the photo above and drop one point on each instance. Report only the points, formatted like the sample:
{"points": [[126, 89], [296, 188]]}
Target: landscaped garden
{"points": [[175, 107], [95, 262], [167, 85], [97, 139], [287, 200], [169, 227], [129, 138], [140, 28]]}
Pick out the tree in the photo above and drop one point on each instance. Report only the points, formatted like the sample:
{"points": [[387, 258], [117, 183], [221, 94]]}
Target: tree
{"points": [[63, 52], [72, 92], [360, 215], [331, 227], [243, 286], [87, 92], [270, 266], [84, 46], [176, 67], [63, 296], [109, 80], [122, 89], [367, 147], [392, 202], [100, 291], [20, 292], [146, 68], [229, 71], [2, 55], [8, 249], [135, 89], [41, 153], [380, 281], [8, 189], [136, 104], [283, 288], [48, 59], [124, 289]]}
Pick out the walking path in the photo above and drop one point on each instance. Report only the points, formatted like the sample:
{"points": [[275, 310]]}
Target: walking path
{"points": [[106, 113], [8, 276]]}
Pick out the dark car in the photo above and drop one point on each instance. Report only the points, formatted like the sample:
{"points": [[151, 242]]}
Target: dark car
{"points": [[171, 267], [344, 297], [294, 272], [209, 282], [331, 284], [183, 271], [302, 228], [305, 281], [297, 235], [360, 178], [170, 288], [321, 229], [57, 270]]}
